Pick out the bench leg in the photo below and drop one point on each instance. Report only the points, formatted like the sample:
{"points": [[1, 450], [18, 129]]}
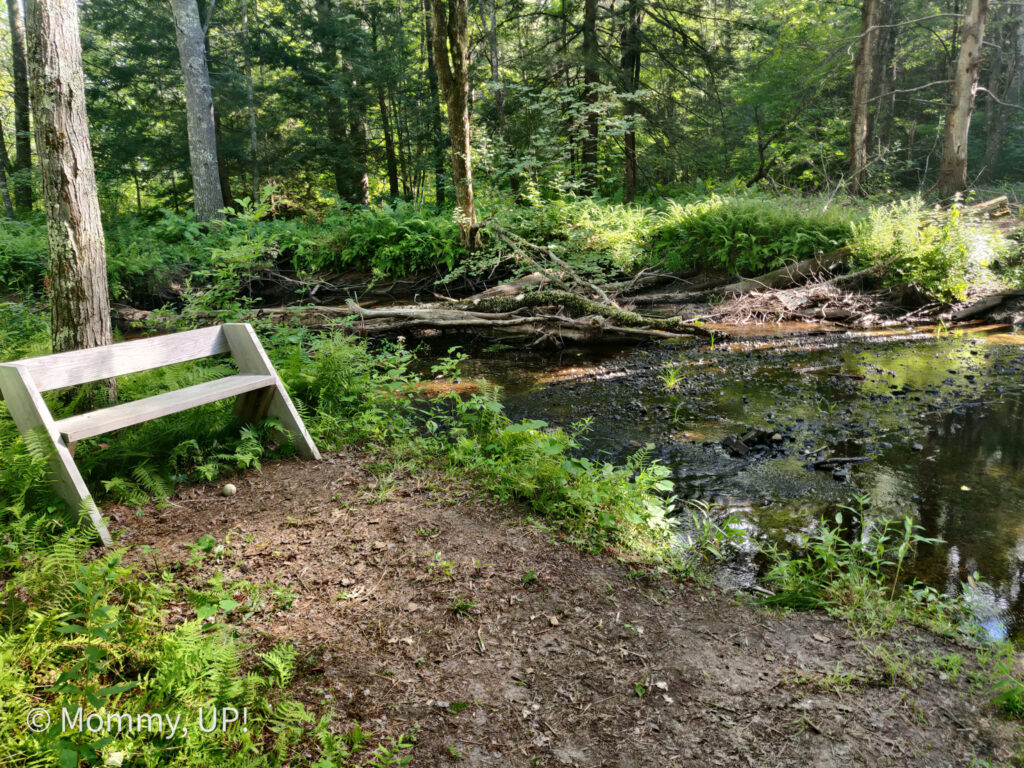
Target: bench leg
{"points": [[272, 401], [31, 414]]}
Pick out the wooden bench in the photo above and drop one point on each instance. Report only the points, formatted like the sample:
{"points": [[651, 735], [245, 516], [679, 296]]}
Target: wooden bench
{"points": [[257, 388]]}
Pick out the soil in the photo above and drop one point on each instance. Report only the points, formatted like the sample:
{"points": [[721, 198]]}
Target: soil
{"points": [[565, 658]]}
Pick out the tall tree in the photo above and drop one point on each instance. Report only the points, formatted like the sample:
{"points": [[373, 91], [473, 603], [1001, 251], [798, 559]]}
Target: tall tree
{"points": [[591, 78], [250, 103], [953, 171], [450, 41], [22, 129], [79, 297], [5, 169], [997, 120], [436, 133], [208, 199], [630, 65], [859, 108]]}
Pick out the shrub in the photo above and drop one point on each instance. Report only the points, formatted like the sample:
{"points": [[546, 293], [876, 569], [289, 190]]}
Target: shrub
{"points": [[23, 254], [746, 235], [942, 256]]}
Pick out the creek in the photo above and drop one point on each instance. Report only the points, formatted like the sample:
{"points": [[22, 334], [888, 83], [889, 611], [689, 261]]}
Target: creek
{"points": [[935, 420]]}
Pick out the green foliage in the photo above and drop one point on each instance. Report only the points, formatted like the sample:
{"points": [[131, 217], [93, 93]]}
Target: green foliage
{"points": [[746, 235], [23, 254], [389, 240], [941, 255], [858, 577]]}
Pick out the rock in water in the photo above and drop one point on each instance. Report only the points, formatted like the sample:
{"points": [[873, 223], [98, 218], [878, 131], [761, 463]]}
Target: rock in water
{"points": [[228, 490]]}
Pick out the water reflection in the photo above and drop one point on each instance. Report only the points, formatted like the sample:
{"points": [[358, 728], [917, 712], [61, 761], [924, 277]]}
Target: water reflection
{"points": [[941, 418]]}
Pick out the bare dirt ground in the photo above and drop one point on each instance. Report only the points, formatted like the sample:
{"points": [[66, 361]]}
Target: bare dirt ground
{"points": [[589, 663]]}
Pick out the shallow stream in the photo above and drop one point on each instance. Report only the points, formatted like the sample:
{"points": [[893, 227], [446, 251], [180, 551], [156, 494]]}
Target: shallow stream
{"points": [[939, 418]]}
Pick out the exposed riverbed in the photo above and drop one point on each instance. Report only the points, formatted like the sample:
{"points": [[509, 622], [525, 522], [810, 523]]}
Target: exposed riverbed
{"points": [[938, 416]]}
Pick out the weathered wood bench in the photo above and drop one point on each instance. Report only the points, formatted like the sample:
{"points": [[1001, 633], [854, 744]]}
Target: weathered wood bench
{"points": [[257, 388]]}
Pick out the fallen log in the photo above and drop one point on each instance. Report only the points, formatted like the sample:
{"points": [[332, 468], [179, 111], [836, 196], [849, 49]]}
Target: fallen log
{"points": [[784, 277], [546, 327], [984, 305]]}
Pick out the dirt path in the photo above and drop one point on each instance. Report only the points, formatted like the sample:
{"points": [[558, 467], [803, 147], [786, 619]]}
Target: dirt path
{"points": [[548, 672]]}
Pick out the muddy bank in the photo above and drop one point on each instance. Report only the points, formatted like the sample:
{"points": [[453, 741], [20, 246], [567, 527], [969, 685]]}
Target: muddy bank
{"points": [[418, 604]]}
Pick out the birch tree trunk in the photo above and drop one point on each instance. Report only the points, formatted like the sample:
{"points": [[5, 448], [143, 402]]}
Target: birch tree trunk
{"points": [[859, 108], [22, 129], [953, 172], [208, 198], [450, 41], [77, 277]]}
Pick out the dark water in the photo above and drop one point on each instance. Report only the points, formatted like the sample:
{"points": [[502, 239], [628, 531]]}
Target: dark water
{"points": [[940, 419]]}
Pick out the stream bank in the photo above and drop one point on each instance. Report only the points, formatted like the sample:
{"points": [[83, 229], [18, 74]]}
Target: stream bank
{"points": [[932, 422], [424, 608]]}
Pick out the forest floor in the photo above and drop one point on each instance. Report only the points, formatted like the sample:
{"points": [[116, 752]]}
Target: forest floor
{"points": [[420, 604]]}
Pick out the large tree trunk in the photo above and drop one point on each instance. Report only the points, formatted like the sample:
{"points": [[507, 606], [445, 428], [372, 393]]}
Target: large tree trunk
{"points": [[79, 299], [591, 79], [953, 172], [998, 116], [208, 198], [859, 108], [450, 41], [435, 107], [22, 129], [630, 64]]}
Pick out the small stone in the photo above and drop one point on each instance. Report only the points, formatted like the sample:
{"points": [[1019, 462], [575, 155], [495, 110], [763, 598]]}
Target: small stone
{"points": [[412, 607], [917, 447], [554, 621], [228, 490]]}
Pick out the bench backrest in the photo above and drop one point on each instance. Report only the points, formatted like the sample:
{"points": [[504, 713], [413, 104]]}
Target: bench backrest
{"points": [[70, 369]]}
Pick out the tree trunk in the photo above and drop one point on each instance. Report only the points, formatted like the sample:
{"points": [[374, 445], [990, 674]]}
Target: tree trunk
{"points": [[208, 198], [630, 64], [883, 78], [953, 172], [998, 119], [5, 168], [79, 299], [22, 181], [859, 108], [450, 41], [591, 79], [389, 145], [435, 110], [250, 103]]}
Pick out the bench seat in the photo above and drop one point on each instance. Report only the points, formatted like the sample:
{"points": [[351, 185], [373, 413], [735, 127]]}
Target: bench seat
{"points": [[75, 428]]}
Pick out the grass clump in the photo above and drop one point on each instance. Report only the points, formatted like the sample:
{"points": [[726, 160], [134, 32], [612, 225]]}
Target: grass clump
{"points": [[746, 234], [858, 575]]}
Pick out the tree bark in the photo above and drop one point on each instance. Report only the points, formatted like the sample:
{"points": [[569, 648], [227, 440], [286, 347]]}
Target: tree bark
{"points": [[591, 78], [953, 172], [389, 145], [435, 108], [859, 108], [77, 277], [22, 181], [450, 41], [999, 116], [208, 198], [630, 64]]}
